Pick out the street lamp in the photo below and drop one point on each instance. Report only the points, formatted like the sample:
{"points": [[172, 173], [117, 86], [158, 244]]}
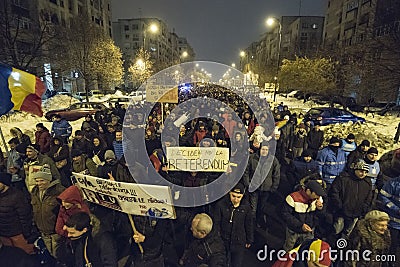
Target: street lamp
{"points": [[233, 65], [270, 22], [242, 54], [152, 28]]}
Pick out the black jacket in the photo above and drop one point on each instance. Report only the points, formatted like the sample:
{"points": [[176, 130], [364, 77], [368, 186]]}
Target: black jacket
{"points": [[209, 250], [350, 196], [315, 139], [101, 248], [15, 214], [272, 178], [234, 224]]}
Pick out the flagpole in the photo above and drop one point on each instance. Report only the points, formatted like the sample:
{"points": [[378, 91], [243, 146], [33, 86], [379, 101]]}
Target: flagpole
{"points": [[4, 140]]}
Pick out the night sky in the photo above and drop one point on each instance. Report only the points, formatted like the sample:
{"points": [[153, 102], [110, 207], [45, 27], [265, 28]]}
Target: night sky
{"points": [[216, 29]]}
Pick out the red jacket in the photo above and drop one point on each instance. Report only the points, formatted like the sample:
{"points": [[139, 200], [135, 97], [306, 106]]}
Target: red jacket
{"points": [[43, 139], [70, 195]]}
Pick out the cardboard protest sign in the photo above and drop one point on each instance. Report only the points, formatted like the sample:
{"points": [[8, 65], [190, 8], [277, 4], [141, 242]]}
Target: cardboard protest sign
{"points": [[161, 93], [198, 159], [136, 199]]}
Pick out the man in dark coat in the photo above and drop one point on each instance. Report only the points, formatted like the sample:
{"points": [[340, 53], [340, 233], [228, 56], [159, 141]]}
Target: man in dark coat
{"points": [[358, 153], [207, 247], [90, 244], [302, 167], [315, 138], [262, 169], [233, 218], [350, 197]]}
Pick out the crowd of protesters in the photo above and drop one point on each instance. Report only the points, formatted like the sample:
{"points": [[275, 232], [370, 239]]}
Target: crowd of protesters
{"points": [[327, 192]]}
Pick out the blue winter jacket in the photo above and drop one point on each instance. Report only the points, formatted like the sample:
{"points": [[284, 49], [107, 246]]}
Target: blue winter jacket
{"points": [[390, 197], [330, 165], [61, 128]]}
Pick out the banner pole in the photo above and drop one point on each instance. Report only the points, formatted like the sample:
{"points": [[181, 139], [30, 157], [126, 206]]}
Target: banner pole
{"points": [[135, 231]]}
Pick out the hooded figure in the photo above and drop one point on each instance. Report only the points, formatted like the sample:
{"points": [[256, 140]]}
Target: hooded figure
{"points": [[71, 202]]}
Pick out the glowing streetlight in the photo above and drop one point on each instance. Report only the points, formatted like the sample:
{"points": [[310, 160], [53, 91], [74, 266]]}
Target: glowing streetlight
{"points": [[140, 63], [153, 28], [242, 53], [270, 22], [185, 54], [233, 65]]}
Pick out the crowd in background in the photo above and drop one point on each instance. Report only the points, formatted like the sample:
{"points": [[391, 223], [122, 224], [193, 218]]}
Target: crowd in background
{"points": [[325, 193]]}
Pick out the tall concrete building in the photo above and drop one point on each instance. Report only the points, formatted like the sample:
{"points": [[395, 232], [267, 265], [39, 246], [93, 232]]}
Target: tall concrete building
{"points": [[28, 26], [290, 36], [166, 48], [364, 36]]}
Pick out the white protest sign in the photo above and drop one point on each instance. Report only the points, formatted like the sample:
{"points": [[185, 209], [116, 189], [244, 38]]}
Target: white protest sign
{"points": [[136, 199], [198, 159], [161, 93]]}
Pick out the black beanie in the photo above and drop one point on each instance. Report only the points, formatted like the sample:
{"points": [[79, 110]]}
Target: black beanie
{"points": [[365, 143], [334, 140], [372, 150]]}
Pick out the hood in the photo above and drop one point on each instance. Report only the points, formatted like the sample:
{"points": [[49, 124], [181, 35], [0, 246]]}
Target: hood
{"points": [[71, 195]]}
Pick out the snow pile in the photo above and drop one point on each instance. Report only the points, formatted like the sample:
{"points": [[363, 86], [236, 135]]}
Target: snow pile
{"points": [[58, 102]]}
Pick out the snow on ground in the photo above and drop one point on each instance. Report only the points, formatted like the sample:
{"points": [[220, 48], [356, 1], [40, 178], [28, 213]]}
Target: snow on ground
{"points": [[379, 129]]}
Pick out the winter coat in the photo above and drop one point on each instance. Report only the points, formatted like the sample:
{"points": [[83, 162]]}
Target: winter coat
{"points": [[14, 160], [355, 155], [58, 156], [101, 249], [198, 136], [43, 139], [271, 179], [118, 149], [85, 164], [298, 140], [15, 214], [235, 225], [300, 168], [45, 208], [83, 145], [61, 128], [16, 257], [315, 139], [153, 144], [299, 209], [209, 251], [330, 164], [390, 197], [70, 195], [350, 196], [108, 167], [249, 125], [364, 238], [155, 232], [31, 164], [98, 151]]}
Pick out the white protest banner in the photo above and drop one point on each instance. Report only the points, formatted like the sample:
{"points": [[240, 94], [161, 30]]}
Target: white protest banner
{"points": [[198, 159], [136, 199]]}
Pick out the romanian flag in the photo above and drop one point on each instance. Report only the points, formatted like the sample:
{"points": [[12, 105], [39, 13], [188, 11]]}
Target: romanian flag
{"points": [[20, 90]]}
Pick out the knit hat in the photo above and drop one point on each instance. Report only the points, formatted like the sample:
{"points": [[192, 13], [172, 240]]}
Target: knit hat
{"points": [[334, 140], [40, 125], [34, 147], [320, 252], [109, 155], [372, 150], [239, 189], [350, 136], [5, 178], [76, 153], [360, 165], [306, 153], [377, 215], [42, 173], [365, 143], [316, 187]]}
